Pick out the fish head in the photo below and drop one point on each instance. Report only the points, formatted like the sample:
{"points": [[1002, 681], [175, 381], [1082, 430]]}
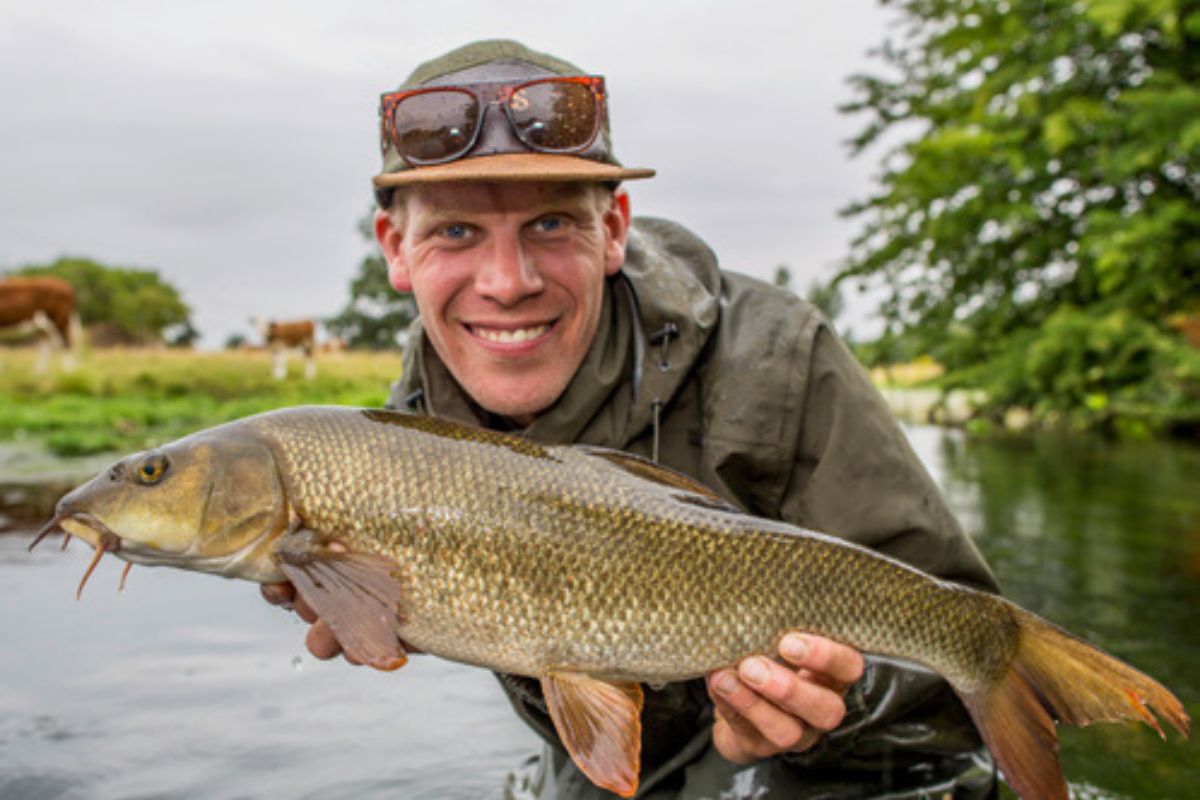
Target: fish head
{"points": [[212, 502]]}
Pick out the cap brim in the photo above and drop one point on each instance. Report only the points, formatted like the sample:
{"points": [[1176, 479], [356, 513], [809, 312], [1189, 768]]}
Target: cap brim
{"points": [[513, 167]]}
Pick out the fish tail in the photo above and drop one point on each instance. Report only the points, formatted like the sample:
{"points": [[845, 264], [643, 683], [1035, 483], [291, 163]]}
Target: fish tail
{"points": [[1055, 677]]}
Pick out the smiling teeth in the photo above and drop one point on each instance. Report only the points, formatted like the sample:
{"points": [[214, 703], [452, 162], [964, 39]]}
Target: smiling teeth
{"points": [[511, 337]]}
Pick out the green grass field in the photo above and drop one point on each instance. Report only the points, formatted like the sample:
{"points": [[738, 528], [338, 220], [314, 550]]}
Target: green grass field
{"points": [[127, 399]]}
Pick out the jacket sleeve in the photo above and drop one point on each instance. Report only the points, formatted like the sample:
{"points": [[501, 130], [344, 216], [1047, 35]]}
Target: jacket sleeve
{"points": [[857, 477]]}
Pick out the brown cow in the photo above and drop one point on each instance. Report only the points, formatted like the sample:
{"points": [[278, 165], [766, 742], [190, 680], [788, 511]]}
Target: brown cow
{"points": [[285, 336], [41, 303]]}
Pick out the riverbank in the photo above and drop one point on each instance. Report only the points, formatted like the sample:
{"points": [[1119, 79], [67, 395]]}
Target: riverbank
{"points": [[60, 426]]}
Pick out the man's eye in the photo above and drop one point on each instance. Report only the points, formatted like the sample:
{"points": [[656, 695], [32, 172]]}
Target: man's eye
{"points": [[549, 224], [455, 231]]}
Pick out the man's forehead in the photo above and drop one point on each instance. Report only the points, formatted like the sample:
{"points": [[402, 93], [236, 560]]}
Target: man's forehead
{"points": [[475, 197]]}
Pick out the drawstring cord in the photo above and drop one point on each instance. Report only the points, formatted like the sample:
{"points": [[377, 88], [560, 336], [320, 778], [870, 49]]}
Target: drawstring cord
{"points": [[656, 407], [663, 339]]}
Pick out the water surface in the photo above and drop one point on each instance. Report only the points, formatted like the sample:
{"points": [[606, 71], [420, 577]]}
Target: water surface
{"points": [[188, 686]]}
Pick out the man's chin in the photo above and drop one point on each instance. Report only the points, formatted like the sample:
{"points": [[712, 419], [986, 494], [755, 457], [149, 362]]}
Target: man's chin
{"points": [[521, 409]]}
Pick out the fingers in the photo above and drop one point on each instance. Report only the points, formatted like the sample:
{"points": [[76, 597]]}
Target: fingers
{"points": [[829, 663], [320, 640], [768, 708], [747, 727], [765, 707], [278, 594], [304, 610]]}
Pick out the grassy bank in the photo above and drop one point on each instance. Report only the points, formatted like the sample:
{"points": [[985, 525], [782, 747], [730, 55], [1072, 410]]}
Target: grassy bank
{"points": [[119, 400]]}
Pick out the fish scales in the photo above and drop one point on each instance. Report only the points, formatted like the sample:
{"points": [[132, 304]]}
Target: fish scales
{"points": [[530, 557]]}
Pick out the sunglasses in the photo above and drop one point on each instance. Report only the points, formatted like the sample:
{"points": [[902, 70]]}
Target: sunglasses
{"points": [[437, 124]]}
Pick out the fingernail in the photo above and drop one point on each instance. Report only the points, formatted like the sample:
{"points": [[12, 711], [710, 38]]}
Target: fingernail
{"points": [[754, 671], [793, 647], [726, 684]]}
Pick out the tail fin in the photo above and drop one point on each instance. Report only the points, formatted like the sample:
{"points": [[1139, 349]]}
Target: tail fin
{"points": [[1055, 677]]}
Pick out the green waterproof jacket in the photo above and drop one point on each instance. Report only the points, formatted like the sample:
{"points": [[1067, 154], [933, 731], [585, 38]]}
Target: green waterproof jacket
{"points": [[747, 388]]}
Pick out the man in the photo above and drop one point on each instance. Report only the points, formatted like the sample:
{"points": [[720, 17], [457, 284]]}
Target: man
{"points": [[546, 309]]}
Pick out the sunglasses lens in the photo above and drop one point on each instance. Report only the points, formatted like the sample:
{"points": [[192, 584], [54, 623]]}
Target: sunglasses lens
{"points": [[554, 115], [436, 126]]}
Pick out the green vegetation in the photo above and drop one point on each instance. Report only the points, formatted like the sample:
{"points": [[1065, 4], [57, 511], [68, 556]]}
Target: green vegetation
{"points": [[122, 306], [376, 313], [1035, 233], [125, 400]]}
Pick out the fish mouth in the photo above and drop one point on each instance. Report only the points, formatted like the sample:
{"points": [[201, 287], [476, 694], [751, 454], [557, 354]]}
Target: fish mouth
{"points": [[93, 531]]}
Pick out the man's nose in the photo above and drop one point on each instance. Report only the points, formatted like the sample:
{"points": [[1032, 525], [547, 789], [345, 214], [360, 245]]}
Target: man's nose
{"points": [[510, 274]]}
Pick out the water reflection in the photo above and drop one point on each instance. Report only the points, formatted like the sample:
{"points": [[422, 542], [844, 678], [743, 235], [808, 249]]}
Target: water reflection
{"points": [[1103, 539], [185, 686]]}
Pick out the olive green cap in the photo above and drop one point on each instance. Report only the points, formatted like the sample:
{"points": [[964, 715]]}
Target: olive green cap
{"points": [[500, 59]]}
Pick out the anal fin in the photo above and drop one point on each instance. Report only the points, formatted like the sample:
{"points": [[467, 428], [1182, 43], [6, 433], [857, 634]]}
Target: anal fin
{"points": [[355, 593], [600, 725]]}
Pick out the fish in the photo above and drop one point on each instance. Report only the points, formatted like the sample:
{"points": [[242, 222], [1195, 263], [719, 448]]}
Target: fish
{"points": [[593, 571]]}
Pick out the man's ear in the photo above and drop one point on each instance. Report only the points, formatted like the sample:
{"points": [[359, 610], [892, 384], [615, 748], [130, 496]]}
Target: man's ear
{"points": [[616, 228], [391, 240]]}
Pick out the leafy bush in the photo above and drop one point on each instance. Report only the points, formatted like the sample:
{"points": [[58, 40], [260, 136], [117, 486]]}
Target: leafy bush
{"points": [[132, 306], [1115, 372]]}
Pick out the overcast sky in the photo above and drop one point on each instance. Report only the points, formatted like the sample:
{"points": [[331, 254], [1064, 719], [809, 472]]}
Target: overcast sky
{"points": [[229, 145]]}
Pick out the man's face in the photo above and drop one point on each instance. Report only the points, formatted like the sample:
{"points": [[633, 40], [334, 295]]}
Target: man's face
{"points": [[508, 279]]}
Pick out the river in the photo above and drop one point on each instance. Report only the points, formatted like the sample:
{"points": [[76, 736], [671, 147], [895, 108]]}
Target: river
{"points": [[186, 686]]}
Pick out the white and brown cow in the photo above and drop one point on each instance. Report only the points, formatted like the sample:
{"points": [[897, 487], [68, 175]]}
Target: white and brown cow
{"points": [[45, 304], [286, 336]]}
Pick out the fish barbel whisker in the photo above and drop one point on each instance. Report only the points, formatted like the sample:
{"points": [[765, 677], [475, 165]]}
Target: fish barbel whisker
{"points": [[109, 542], [49, 527], [124, 575], [106, 541]]}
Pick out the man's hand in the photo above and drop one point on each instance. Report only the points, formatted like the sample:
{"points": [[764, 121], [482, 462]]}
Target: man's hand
{"points": [[320, 639], [765, 708]]}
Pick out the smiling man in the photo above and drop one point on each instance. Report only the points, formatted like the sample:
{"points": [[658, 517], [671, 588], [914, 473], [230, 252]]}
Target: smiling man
{"points": [[546, 309], [509, 281]]}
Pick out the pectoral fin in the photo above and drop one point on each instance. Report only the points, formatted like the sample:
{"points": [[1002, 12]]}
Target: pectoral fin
{"points": [[355, 593], [600, 725]]}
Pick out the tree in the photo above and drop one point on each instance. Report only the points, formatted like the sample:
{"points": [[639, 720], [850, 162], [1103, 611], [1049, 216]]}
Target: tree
{"points": [[783, 277], [377, 315], [1051, 185], [827, 297], [130, 306]]}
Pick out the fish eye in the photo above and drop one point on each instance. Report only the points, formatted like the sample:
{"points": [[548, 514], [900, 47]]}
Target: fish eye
{"points": [[152, 469]]}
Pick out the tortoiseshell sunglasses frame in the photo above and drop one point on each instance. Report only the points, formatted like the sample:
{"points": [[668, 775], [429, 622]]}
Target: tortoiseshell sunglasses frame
{"points": [[486, 93]]}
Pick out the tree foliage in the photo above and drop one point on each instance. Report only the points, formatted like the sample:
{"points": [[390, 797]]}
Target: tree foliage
{"points": [[130, 306], [1048, 183], [376, 315]]}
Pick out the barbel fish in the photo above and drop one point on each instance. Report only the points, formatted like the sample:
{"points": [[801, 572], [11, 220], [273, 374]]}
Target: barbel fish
{"points": [[592, 570]]}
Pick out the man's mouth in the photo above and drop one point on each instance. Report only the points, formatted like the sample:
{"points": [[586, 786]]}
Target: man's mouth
{"points": [[509, 335]]}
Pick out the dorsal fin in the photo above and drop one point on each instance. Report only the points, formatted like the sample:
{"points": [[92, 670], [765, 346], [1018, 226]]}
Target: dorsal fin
{"points": [[646, 469]]}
